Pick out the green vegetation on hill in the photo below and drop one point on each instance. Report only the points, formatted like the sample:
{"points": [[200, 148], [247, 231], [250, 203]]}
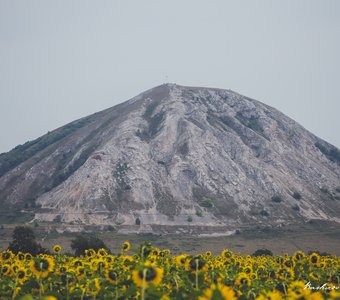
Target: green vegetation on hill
{"points": [[331, 152], [20, 153]]}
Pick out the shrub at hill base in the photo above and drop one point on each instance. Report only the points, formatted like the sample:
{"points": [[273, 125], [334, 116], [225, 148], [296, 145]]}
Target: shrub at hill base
{"points": [[23, 240], [82, 243]]}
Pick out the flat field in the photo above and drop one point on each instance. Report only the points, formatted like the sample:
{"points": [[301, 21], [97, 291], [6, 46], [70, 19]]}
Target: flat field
{"points": [[316, 235]]}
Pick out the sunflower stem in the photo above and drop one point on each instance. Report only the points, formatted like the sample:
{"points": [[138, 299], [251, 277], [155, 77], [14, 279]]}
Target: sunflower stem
{"points": [[15, 286], [143, 284], [82, 294], [196, 275], [67, 293], [176, 282]]}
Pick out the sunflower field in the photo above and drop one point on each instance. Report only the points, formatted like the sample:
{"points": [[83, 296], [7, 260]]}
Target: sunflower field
{"points": [[150, 273]]}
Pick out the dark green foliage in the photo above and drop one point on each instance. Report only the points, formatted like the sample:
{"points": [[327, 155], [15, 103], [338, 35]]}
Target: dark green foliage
{"points": [[57, 219], [24, 241], [63, 173], [207, 203], [20, 153], [338, 189], [297, 195], [296, 207], [189, 219], [264, 213], [110, 228], [184, 149], [277, 198], [227, 121], [149, 110], [331, 152], [252, 122], [261, 252], [154, 122], [82, 243], [324, 190]]}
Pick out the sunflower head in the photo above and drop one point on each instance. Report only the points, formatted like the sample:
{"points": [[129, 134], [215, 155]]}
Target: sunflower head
{"points": [[22, 275], [181, 259], [102, 252], [314, 259], [218, 292], [297, 290], [57, 249], [41, 266], [227, 253], [126, 246], [28, 256], [6, 269], [6, 255], [111, 275], [93, 286], [298, 255], [20, 256], [243, 279], [90, 253], [147, 275]]}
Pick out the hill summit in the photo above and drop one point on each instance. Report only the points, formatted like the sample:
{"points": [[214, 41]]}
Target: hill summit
{"points": [[175, 156]]}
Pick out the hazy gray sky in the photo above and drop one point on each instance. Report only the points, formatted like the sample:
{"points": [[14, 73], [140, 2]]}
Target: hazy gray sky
{"points": [[61, 60]]}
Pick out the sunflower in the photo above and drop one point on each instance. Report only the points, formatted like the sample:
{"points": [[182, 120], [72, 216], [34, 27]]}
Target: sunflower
{"points": [[271, 295], [109, 259], [102, 252], [180, 260], [77, 263], [316, 296], [57, 249], [285, 273], [28, 256], [208, 253], [147, 275], [127, 261], [93, 286], [15, 268], [22, 275], [297, 290], [288, 263], [314, 276], [20, 256], [196, 264], [50, 298], [261, 270], [248, 269], [298, 255], [126, 246], [314, 259], [6, 269], [41, 266], [100, 264], [242, 279], [218, 292], [227, 253], [111, 275], [61, 270], [6, 255], [90, 253]]}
